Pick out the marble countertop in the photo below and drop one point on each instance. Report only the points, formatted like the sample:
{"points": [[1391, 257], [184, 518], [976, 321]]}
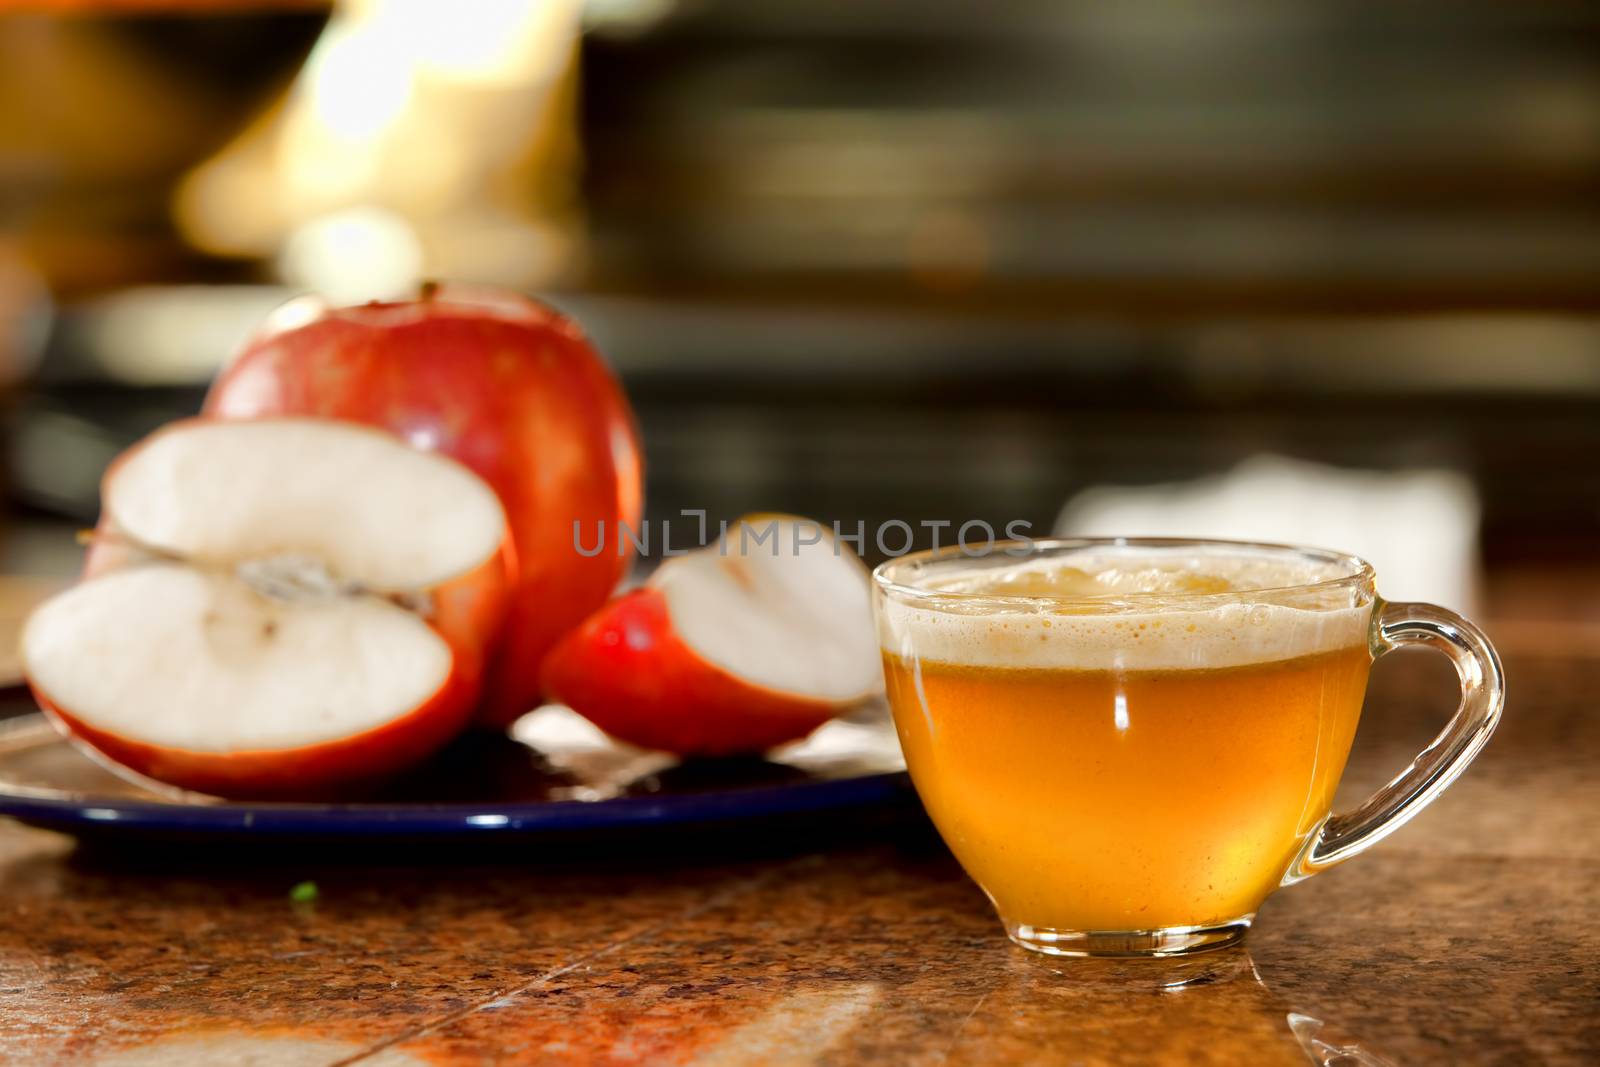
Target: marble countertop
{"points": [[1470, 936]]}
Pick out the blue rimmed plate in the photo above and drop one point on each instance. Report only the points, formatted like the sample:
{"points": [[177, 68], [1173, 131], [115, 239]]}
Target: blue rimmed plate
{"points": [[553, 774]]}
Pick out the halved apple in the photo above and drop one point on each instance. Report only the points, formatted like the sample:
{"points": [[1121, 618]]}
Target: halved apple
{"points": [[275, 608], [734, 648]]}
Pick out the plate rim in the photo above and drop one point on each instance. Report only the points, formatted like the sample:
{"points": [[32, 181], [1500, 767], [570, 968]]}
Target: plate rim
{"points": [[34, 806]]}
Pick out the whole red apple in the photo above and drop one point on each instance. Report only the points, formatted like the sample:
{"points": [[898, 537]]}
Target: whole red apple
{"points": [[502, 384]]}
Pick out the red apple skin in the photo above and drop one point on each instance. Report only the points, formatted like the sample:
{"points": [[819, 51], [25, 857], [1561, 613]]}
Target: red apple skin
{"points": [[626, 670], [469, 612], [335, 769], [507, 387]]}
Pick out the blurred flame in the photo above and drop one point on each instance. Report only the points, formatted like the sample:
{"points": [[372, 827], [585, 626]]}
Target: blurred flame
{"points": [[397, 146], [356, 85], [362, 253]]}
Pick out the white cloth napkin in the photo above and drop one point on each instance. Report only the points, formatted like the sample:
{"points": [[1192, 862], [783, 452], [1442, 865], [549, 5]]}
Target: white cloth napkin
{"points": [[1418, 528]]}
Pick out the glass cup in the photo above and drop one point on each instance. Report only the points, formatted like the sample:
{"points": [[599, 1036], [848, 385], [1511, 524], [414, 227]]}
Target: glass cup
{"points": [[1128, 747]]}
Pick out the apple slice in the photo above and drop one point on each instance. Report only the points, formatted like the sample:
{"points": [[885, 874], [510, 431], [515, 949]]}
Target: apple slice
{"points": [[275, 608], [737, 647]]}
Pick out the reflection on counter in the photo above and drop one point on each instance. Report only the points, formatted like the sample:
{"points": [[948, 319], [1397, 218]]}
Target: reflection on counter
{"points": [[1207, 1010]]}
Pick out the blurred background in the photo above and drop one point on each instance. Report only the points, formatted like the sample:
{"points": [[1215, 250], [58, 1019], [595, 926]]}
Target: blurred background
{"points": [[1275, 268]]}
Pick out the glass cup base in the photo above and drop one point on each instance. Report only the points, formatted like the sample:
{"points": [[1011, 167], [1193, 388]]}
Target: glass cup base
{"points": [[1166, 941]]}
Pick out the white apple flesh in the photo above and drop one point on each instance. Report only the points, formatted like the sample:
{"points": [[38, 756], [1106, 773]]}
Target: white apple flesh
{"points": [[275, 608], [791, 613]]}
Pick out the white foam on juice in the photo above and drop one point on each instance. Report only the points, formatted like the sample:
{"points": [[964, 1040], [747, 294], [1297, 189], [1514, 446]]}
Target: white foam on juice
{"points": [[1128, 610]]}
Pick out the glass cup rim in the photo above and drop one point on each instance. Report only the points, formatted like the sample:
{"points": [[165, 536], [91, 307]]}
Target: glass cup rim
{"points": [[1361, 574]]}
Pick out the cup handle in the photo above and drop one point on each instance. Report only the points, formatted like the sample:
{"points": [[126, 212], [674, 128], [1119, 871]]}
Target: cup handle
{"points": [[1483, 689]]}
